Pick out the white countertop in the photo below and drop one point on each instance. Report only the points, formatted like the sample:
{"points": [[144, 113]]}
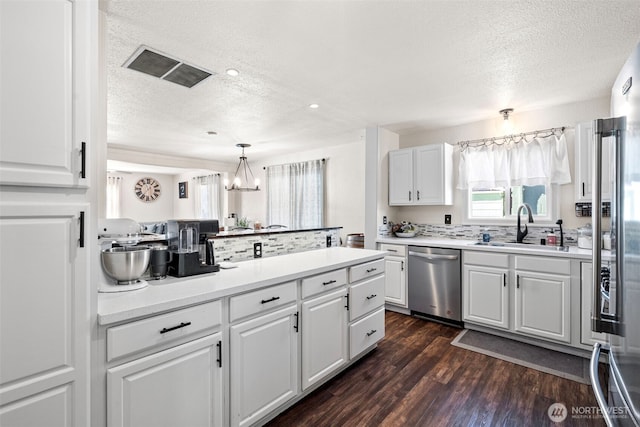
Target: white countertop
{"points": [[172, 292], [574, 251]]}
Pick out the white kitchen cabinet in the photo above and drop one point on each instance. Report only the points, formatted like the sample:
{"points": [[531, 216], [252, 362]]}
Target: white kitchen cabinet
{"points": [[542, 297], [395, 274], [264, 366], [584, 164], [324, 336], [48, 79], [421, 175], [587, 336], [43, 332], [178, 386], [46, 94], [485, 298]]}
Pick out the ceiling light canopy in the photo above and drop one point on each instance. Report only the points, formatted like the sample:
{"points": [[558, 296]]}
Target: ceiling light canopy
{"points": [[232, 72], [243, 175]]}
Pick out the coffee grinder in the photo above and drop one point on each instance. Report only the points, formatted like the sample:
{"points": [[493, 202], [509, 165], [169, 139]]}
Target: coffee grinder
{"points": [[187, 259]]}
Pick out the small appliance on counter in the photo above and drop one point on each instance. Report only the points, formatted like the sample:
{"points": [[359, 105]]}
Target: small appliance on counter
{"points": [[123, 260], [190, 247]]}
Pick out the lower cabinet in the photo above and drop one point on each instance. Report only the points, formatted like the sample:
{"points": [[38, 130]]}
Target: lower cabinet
{"points": [[587, 336], [525, 294], [395, 274], [264, 366], [542, 305], [178, 386], [324, 336], [486, 295]]}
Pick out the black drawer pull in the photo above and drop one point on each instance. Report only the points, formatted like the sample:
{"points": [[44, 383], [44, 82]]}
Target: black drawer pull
{"points": [[264, 301], [371, 270], [372, 296], [173, 328], [329, 282], [83, 160], [219, 359], [373, 331]]}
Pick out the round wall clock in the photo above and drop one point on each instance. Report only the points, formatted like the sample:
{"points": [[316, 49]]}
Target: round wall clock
{"points": [[147, 189]]}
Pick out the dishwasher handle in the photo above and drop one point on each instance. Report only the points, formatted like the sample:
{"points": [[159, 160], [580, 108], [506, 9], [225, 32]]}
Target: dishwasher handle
{"points": [[434, 256]]}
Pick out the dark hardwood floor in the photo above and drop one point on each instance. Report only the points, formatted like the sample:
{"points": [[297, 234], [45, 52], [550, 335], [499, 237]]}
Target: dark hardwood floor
{"points": [[417, 378]]}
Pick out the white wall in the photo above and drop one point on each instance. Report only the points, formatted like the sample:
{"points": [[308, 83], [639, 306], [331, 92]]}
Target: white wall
{"points": [[345, 186], [563, 115], [157, 210]]}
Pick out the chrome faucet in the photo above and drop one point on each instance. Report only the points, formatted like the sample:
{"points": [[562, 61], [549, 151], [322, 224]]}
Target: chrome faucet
{"points": [[520, 235]]}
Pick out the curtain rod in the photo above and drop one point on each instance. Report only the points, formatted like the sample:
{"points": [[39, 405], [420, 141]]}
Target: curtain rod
{"points": [[514, 138], [284, 164]]}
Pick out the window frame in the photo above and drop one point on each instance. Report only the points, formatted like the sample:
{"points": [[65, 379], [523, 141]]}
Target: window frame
{"points": [[553, 203]]}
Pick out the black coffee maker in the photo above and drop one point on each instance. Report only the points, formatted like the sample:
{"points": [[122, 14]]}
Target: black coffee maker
{"points": [[190, 247]]}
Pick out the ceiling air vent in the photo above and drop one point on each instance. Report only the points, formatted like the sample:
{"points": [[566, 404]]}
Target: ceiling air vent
{"points": [[156, 64]]}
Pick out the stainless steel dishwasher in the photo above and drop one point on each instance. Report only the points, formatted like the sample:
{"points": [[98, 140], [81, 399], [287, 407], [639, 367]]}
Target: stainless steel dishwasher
{"points": [[434, 283]]}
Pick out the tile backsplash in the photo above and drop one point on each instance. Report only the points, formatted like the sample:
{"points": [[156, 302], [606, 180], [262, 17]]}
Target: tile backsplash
{"points": [[497, 232], [240, 248]]}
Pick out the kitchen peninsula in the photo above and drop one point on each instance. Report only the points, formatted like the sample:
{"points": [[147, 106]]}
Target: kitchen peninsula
{"points": [[244, 343]]}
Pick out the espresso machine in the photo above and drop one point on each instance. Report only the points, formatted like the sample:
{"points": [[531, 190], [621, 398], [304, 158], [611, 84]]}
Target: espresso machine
{"points": [[190, 247]]}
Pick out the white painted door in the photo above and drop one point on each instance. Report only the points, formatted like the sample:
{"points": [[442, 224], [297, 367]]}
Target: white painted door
{"points": [[324, 336], [395, 281], [264, 365], [486, 296], [584, 164], [181, 386], [587, 336], [542, 305], [45, 103], [401, 177], [429, 178], [44, 336]]}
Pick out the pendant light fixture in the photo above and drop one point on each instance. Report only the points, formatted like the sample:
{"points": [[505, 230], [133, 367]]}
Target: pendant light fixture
{"points": [[243, 176], [508, 127]]}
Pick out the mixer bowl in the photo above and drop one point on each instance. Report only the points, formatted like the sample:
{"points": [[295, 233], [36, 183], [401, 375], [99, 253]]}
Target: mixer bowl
{"points": [[126, 264]]}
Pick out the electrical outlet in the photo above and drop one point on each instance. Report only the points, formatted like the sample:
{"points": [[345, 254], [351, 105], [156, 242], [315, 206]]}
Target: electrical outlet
{"points": [[257, 250], [447, 219], [329, 241], [384, 220]]}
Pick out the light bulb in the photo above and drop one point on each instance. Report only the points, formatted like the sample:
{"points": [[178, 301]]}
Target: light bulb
{"points": [[257, 181], [237, 181]]}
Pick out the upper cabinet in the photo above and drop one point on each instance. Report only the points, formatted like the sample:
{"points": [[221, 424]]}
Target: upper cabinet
{"points": [[421, 175], [584, 164], [45, 103]]}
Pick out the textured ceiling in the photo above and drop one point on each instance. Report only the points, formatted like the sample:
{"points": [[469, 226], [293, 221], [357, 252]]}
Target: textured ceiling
{"points": [[403, 65]]}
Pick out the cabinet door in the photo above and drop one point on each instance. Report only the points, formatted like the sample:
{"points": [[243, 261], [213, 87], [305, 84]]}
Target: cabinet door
{"points": [[432, 172], [584, 164], [43, 311], [401, 177], [587, 336], [486, 296], [395, 281], [542, 305], [181, 386], [45, 103], [264, 365], [324, 336]]}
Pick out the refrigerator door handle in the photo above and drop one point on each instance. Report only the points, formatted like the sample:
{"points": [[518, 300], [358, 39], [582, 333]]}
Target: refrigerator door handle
{"points": [[595, 383], [600, 321]]}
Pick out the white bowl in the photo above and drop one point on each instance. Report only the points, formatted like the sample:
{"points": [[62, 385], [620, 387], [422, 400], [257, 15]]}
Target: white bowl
{"points": [[406, 234]]}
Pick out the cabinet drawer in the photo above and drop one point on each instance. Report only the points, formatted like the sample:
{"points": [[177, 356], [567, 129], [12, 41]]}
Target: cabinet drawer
{"points": [[158, 330], [261, 300], [543, 264], [365, 270], [323, 282], [366, 296], [395, 250], [486, 259], [366, 332]]}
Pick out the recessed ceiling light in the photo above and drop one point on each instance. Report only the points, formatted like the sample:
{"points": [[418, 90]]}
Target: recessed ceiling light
{"points": [[314, 106], [212, 132], [232, 72]]}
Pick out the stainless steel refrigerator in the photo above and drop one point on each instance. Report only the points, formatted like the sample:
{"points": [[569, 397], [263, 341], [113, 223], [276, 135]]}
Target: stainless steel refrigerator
{"points": [[616, 286]]}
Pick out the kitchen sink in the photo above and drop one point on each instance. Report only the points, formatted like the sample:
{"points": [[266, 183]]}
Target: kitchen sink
{"points": [[522, 245]]}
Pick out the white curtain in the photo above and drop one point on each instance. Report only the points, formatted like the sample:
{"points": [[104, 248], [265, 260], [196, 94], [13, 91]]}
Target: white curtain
{"points": [[114, 186], [295, 194], [207, 196], [544, 160]]}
